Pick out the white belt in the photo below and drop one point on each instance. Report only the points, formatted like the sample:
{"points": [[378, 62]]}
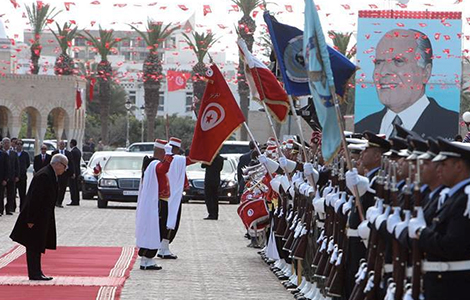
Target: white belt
{"points": [[388, 268], [320, 224], [446, 266], [352, 233]]}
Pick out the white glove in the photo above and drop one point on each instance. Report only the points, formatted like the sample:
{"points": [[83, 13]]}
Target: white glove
{"points": [[352, 178], [310, 171], [393, 220], [319, 203], [168, 149], [374, 211], [348, 205], [382, 218], [402, 225], [263, 159], [363, 230], [416, 223], [283, 162]]}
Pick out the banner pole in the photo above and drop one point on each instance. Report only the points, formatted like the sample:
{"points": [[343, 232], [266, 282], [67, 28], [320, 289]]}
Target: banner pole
{"points": [[339, 118]]}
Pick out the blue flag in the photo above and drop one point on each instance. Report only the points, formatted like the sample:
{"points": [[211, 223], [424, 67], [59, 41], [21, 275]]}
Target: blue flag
{"points": [[318, 66], [288, 46]]}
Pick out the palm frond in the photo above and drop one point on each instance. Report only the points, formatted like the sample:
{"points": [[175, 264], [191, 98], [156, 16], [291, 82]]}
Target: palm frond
{"points": [[39, 16], [104, 43], [201, 44], [65, 35], [247, 6], [156, 33]]}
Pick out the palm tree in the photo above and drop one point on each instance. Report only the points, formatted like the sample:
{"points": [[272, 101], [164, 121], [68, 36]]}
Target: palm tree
{"points": [[64, 64], [246, 29], [103, 45], [200, 44], [38, 15], [341, 42], [155, 36]]}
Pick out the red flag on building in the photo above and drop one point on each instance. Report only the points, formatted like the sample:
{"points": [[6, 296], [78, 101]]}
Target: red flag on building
{"points": [[219, 116], [176, 80], [78, 98], [264, 85], [92, 88]]}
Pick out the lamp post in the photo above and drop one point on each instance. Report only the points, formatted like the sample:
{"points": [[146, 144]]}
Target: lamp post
{"points": [[142, 111], [128, 106]]}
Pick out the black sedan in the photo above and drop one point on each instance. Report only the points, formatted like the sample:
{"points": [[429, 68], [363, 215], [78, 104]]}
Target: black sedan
{"points": [[120, 178], [228, 187]]}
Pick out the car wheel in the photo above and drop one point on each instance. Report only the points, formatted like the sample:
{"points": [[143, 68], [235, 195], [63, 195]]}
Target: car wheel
{"points": [[234, 200], [102, 203], [185, 200], [87, 196]]}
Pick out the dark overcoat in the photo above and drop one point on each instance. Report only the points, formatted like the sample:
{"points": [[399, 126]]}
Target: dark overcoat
{"points": [[39, 210]]}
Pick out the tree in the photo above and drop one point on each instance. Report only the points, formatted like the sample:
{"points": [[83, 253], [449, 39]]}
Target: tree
{"points": [[64, 64], [200, 44], [154, 37], [103, 45], [246, 29], [39, 15], [341, 44]]}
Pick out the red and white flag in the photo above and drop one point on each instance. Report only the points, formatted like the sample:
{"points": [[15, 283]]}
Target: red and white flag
{"points": [[264, 85], [176, 80], [219, 116]]}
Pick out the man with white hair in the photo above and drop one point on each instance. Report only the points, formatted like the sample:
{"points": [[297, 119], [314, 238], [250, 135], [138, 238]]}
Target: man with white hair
{"points": [[35, 227], [154, 190]]}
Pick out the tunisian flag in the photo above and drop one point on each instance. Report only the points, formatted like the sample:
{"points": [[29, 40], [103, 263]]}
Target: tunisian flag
{"points": [[264, 85], [219, 116], [176, 80]]}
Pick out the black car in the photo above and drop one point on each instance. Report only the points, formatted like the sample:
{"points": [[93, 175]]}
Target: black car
{"points": [[120, 178], [228, 187]]}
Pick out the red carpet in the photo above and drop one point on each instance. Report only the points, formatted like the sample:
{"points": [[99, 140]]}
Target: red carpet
{"points": [[79, 273]]}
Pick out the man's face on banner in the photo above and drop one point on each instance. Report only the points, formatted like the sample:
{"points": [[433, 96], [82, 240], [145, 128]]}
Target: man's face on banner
{"points": [[398, 76]]}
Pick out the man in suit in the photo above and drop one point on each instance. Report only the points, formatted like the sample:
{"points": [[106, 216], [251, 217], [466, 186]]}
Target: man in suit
{"points": [[4, 164], [42, 159], [13, 176], [35, 228], [445, 241], [24, 163], [243, 162], [64, 178], [211, 186], [73, 180], [400, 76]]}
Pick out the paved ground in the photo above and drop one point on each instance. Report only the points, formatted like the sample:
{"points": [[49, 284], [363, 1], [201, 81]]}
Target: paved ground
{"points": [[213, 260]]}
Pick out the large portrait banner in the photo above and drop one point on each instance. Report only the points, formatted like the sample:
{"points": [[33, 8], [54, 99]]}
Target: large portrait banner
{"points": [[410, 72]]}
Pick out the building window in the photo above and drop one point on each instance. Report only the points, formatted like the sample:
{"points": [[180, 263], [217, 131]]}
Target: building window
{"points": [[79, 41], [132, 97], [189, 101], [161, 103]]}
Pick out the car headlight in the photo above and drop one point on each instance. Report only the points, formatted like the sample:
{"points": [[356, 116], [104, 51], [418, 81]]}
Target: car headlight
{"points": [[89, 177], [228, 184], [108, 182]]}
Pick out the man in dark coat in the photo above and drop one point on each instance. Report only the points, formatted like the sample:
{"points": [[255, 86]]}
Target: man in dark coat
{"points": [[3, 177], [211, 186], [24, 163], [13, 176], [243, 162], [73, 180], [42, 159], [64, 178], [35, 228]]}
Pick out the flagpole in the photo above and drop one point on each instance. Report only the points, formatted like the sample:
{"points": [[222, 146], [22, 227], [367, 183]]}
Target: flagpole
{"points": [[256, 146], [339, 118], [167, 128]]}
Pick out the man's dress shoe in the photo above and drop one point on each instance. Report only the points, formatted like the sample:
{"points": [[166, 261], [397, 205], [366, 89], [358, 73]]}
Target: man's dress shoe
{"points": [[154, 267], [73, 204], [210, 218], [40, 277], [167, 256]]}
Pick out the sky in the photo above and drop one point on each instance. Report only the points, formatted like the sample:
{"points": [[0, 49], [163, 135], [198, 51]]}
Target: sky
{"points": [[339, 15]]}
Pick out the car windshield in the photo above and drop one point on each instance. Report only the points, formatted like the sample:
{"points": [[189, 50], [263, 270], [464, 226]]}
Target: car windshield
{"points": [[234, 149], [227, 169], [124, 163], [141, 148]]}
